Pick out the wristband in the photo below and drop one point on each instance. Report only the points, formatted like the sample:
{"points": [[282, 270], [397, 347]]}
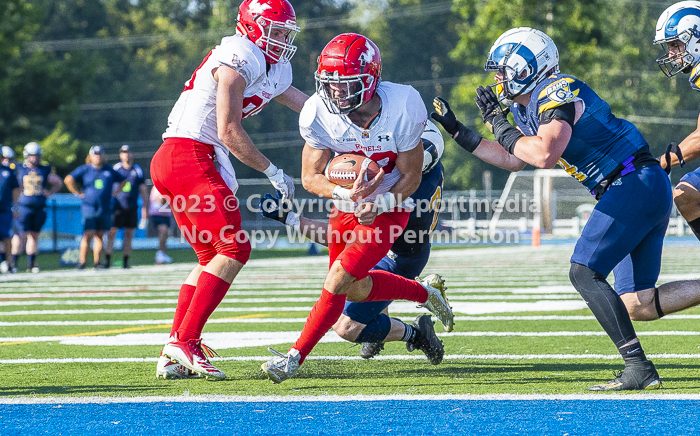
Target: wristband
{"points": [[271, 170], [385, 202], [505, 133], [467, 138], [293, 220], [340, 193]]}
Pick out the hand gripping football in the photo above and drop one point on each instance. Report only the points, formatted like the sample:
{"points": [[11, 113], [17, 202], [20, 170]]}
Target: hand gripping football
{"points": [[344, 169]]}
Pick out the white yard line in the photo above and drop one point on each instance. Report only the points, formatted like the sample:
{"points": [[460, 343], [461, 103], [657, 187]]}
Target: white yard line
{"points": [[344, 358]]}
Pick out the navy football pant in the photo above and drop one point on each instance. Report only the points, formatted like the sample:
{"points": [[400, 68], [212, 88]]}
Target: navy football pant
{"points": [[626, 230]]}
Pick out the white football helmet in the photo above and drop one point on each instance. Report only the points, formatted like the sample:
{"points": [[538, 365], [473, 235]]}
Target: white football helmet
{"points": [[32, 148], [433, 146], [7, 152], [524, 57], [679, 24]]}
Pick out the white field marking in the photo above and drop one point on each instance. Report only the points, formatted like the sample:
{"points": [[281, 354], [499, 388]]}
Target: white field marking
{"points": [[270, 399], [676, 277], [270, 320], [347, 358], [397, 308], [229, 300], [226, 340]]}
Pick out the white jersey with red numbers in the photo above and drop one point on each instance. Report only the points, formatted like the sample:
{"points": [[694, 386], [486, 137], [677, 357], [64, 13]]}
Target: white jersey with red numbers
{"points": [[398, 128], [194, 114]]}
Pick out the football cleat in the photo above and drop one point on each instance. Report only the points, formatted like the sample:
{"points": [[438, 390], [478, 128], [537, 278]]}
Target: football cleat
{"points": [[635, 377], [427, 341], [282, 366], [437, 301], [162, 258], [171, 370], [371, 349], [190, 354]]}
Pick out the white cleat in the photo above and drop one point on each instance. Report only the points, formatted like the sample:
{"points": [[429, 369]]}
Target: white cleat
{"points": [[162, 258], [282, 366], [171, 370], [190, 354], [437, 301]]}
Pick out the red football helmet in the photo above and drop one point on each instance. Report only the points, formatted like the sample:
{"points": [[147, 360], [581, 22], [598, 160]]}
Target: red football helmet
{"points": [[262, 20], [349, 71]]}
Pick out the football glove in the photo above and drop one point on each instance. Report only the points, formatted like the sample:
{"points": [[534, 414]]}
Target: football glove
{"points": [[271, 207], [283, 183], [444, 115], [489, 106]]}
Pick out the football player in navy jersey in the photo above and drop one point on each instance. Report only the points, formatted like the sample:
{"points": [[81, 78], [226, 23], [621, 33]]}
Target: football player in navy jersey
{"points": [[366, 322], [8, 193], [37, 183], [125, 214], [676, 32], [559, 119], [96, 179]]}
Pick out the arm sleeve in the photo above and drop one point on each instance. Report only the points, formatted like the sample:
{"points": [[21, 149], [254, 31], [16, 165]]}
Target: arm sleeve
{"points": [[234, 52], [309, 126], [416, 117]]}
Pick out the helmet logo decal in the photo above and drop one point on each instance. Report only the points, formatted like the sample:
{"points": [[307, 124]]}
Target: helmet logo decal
{"points": [[368, 55], [257, 8]]}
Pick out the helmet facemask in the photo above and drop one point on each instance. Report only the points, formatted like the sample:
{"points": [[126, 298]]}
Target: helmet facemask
{"points": [[679, 62], [274, 49], [352, 90]]}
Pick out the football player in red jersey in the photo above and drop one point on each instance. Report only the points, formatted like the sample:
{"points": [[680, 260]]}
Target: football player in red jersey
{"points": [[353, 111], [235, 80]]}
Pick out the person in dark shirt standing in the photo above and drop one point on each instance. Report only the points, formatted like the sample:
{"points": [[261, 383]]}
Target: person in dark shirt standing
{"points": [[96, 179], [8, 192], [125, 214], [36, 183]]}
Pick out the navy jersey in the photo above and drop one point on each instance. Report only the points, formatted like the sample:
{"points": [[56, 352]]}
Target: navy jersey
{"points": [[128, 198], [599, 143], [8, 183], [33, 182], [97, 187], [415, 237]]}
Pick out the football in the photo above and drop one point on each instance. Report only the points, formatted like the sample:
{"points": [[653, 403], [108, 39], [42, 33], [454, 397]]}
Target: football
{"points": [[344, 169]]}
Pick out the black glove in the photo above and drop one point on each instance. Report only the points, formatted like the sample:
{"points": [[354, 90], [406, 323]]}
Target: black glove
{"points": [[274, 208], [444, 115], [488, 104], [673, 148]]}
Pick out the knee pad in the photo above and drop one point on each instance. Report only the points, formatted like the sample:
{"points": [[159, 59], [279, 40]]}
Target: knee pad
{"points": [[585, 279], [376, 331]]}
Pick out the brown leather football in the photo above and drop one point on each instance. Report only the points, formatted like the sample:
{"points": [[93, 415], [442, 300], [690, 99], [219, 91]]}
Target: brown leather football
{"points": [[344, 169]]}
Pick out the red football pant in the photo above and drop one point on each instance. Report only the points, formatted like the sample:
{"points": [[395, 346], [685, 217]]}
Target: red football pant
{"points": [[359, 248], [203, 205]]}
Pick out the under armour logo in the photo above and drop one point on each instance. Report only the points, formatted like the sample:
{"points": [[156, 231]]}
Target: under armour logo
{"points": [[383, 138]]}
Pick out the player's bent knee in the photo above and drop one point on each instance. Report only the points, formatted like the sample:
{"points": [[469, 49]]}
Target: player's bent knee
{"points": [[686, 198], [348, 329]]}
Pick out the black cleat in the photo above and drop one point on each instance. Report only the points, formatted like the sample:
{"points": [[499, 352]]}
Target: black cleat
{"points": [[427, 341], [371, 349], [635, 377]]}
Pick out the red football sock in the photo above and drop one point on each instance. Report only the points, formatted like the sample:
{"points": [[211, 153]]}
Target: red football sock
{"points": [[209, 293], [183, 302], [388, 286], [324, 314]]}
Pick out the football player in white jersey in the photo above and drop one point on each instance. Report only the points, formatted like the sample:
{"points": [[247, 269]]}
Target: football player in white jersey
{"points": [[235, 80], [353, 112]]}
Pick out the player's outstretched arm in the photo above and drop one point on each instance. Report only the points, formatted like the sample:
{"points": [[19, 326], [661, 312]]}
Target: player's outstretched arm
{"points": [[689, 147], [490, 152], [273, 207], [292, 98]]}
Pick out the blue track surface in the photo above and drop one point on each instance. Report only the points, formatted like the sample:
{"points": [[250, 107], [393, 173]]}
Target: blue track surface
{"points": [[402, 417]]}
